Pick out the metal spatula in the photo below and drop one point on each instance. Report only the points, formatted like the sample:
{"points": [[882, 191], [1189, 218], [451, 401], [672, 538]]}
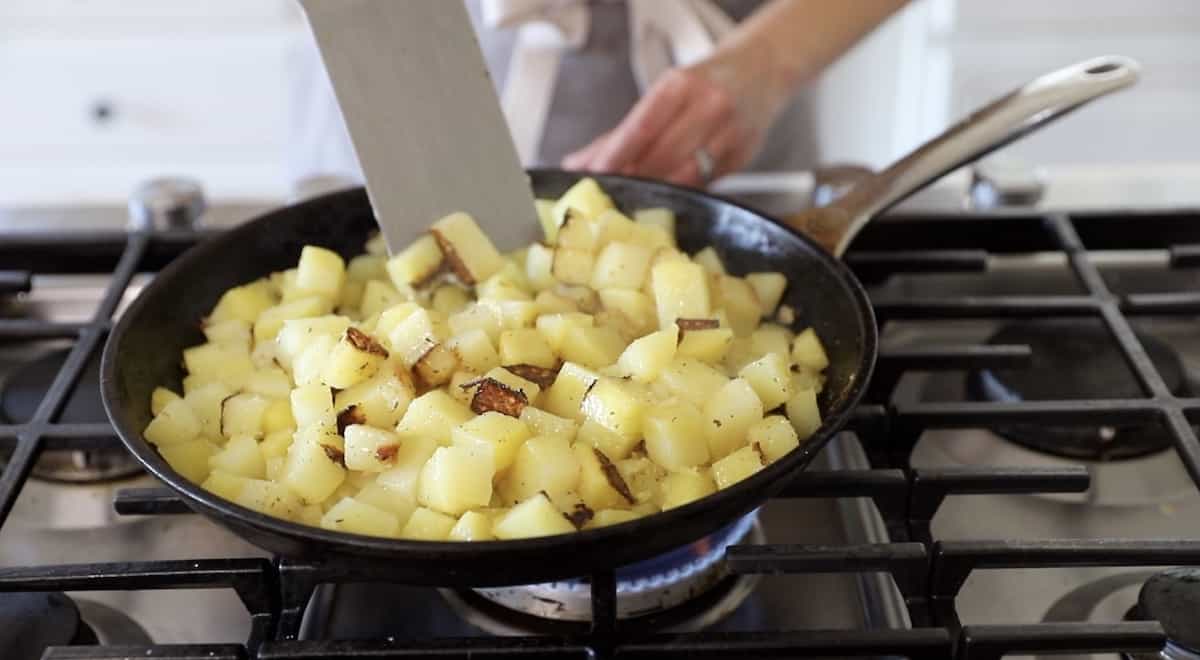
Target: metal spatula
{"points": [[423, 117]]}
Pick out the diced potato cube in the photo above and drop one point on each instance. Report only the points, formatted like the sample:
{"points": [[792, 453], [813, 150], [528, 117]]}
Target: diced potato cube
{"points": [[643, 478], [413, 337], [607, 517], [539, 264], [241, 457], [584, 298], [535, 516], [427, 525], [367, 267], [273, 383], [585, 197], [514, 313], [613, 444], [541, 464], [646, 357], [803, 413], [417, 264], [402, 479], [221, 363], [233, 332], [593, 346], [808, 352], [190, 457], [384, 497], [679, 488], [773, 437], [456, 479], [381, 400], [769, 288], [771, 378], [205, 402], [660, 218], [710, 260], [295, 335], [379, 295], [312, 405], [492, 434], [555, 328], [564, 397], [614, 407], [159, 399], [314, 468], [276, 444], [370, 449], [549, 302], [508, 377], [634, 306], [680, 290], [244, 303], [475, 351], [436, 366], [770, 338], [278, 416], [174, 424], [600, 483], [477, 317], [614, 227], [275, 467], [310, 514], [351, 515], [526, 346], [803, 379], [621, 266], [692, 381], [224, 484], [675, 436], [450, 299], [462, 386], [708, 345], [308, 366], [242, 414], [547, 219], [472, 526], [729, 415], [736, 466], [503, 286], [469, 252], [541, 422], [269, 322], [354, 358], [740, 303], [573, 265], [433, 414], [273, 499], [320, 271]]}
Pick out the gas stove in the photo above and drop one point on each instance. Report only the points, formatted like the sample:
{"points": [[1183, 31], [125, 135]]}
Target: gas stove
{"points": [[1022, 479]]}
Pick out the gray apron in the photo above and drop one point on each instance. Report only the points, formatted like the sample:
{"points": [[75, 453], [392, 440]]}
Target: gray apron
{"points": [[594, 89]]}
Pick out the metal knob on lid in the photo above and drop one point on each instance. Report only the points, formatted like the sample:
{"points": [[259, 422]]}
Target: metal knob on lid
{"points": [[169, 203]]}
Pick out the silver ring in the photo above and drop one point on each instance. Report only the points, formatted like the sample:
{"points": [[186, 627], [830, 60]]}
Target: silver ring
{"points": [[705, 163]]}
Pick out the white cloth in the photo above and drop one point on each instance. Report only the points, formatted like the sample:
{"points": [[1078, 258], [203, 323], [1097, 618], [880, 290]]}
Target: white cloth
{"points": [[663, 34]]}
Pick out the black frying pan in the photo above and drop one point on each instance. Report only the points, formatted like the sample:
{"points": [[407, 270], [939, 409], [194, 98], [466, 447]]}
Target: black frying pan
{"points": [[143, 349]]}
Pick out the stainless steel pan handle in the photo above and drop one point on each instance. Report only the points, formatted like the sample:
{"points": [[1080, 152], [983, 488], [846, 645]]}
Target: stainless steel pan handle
{"points": [[1002, 121]]}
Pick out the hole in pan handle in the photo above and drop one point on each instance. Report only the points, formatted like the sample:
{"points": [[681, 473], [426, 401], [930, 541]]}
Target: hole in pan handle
{"points": [[998, 123]]}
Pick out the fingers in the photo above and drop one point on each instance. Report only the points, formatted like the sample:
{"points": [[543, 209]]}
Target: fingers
{"points": [[648, 119], [581, 159], [707, 114], [727, 148]]}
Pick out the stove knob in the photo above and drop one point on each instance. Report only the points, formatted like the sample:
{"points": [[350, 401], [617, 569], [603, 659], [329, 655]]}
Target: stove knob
{"points": [[169, 203]]}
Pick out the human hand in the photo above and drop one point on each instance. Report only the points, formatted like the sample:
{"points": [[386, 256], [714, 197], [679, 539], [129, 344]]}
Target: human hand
{"points": [[720, 105]]}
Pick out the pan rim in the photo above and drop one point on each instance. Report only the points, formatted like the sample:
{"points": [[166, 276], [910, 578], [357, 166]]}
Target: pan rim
{"points": [[753, 491]]}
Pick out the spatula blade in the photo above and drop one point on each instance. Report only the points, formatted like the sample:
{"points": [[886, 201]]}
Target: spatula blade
{"points": [[423, 116]]}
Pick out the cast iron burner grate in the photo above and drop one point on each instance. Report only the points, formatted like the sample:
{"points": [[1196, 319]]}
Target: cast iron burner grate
{"points": [[1076, 360], [927, 572]]}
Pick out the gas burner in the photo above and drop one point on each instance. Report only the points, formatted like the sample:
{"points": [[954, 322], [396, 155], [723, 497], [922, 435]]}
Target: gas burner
{"points": [[1075, 360], [683, 590], [22, 392], [1172, 597], [30, 622]]}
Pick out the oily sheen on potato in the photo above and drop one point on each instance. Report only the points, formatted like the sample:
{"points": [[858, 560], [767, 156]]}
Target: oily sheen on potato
{"points": [[451, 392]]}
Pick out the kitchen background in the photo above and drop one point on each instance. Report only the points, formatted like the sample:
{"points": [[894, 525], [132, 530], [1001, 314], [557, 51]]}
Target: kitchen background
{"points": [[100, 95]]}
